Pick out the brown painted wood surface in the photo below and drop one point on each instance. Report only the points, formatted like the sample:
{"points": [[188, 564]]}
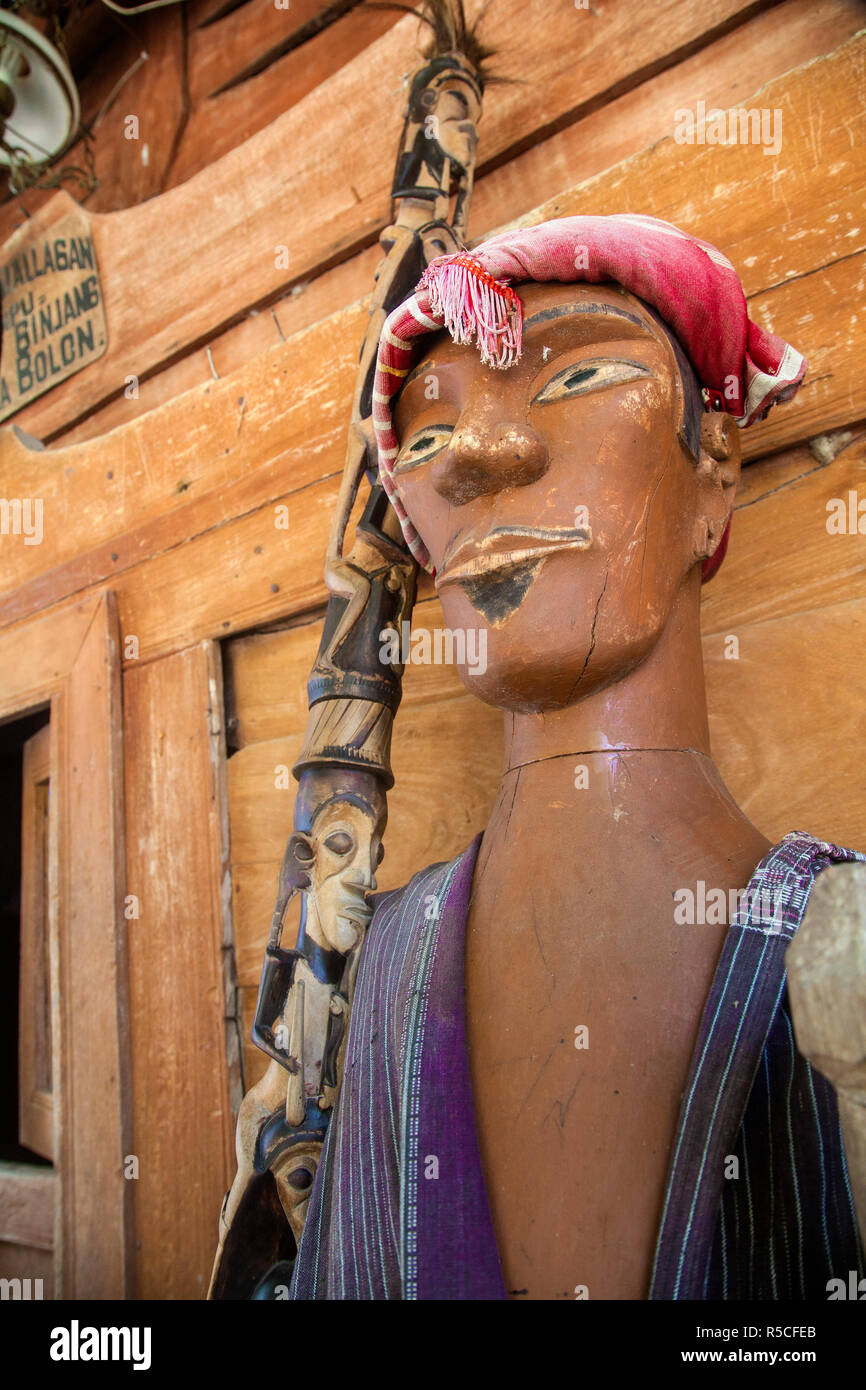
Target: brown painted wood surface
{"points": [[246, 204], [131, 170], [202, 12], [223, 52], [178, 871], [251, 103], [725, 72], [233, 423], [92, 1002], [782, 560], [240, 420]]}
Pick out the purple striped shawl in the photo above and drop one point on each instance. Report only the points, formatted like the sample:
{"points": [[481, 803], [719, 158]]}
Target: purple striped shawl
{"points": [[380, 1228]]}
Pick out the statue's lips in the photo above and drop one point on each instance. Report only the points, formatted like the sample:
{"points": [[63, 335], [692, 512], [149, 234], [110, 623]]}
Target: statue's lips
{"points": [[353, 905], [508, 545]]}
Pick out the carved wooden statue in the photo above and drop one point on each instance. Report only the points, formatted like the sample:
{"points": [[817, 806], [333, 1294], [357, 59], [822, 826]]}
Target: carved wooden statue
{"points": [[561, 1065]]}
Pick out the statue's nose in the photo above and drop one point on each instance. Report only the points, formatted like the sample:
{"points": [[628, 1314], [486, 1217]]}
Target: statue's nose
{"points": [[486, 458]]}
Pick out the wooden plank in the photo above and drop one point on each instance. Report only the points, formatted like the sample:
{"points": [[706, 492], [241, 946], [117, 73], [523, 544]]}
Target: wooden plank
{"points": [[210, 576], [782, 560], [238, 44], [815, 172], [176, 869], [684, 183], [266, 676], [726, 72], [218, 123], [804, 312], [787, 716], [266, 682], [245, 204], [91, 1002], [254, 1061], [302, 308], [131, 170], [201, 12], [209, 444], [35, 661], [27, 1198], [817, 311]]}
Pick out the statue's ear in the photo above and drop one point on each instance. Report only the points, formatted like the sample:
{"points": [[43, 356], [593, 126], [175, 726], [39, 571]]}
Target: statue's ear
{"points": [[303, 848], [300, 858], [720, 438], [718, 474]]}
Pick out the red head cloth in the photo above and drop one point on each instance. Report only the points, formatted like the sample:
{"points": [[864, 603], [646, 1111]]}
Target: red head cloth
{"points": [[694, 288]]}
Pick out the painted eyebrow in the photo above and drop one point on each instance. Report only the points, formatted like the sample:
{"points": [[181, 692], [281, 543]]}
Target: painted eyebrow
{"points": [[559, 311], [544, 316]]}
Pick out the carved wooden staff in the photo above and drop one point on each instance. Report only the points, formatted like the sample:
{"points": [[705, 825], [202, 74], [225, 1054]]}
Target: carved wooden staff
{"points": [[344, 770]]}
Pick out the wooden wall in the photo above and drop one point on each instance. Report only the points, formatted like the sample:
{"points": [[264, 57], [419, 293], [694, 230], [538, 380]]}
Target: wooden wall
{"points": [[244, 373]]}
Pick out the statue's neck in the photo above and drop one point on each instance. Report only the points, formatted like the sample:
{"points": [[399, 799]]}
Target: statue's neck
{"points": [[629, 762], [661, 704]]}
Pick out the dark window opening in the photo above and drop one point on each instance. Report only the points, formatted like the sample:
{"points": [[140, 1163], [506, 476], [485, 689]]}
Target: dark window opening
{"points": [[13, 736]]}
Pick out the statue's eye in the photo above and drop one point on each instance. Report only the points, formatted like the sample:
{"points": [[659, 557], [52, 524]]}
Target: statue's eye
{"points": [[459, 97], [422, 446], [591, 375], [340, 842]]}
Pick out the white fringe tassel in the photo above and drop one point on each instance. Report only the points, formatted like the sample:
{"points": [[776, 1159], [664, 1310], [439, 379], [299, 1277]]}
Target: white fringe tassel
{"points": [[473, 304]]}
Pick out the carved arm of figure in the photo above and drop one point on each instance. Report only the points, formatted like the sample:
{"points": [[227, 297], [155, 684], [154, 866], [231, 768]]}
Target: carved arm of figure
{"points": [[827, 982], [283, 1118]]}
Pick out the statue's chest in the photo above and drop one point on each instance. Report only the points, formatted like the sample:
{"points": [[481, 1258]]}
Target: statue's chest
{"points": [[580, 1045]]}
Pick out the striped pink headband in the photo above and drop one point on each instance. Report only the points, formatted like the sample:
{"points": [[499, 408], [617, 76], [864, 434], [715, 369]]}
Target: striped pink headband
{"points": [[694, 288]]}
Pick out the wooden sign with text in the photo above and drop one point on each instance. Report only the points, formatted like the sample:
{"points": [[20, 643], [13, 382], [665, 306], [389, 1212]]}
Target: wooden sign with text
{"points": [[53, 310]]}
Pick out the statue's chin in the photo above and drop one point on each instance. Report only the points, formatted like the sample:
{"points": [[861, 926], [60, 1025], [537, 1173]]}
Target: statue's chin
{"points": [[530, 683], [541, 663], [348, 928]]}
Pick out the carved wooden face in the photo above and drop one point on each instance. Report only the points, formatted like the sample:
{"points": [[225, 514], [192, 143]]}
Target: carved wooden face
{"points": [[457, 110], [560, 508], [339, 856]]}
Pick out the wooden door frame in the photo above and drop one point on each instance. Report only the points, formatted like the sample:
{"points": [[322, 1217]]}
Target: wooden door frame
{"points": [[69, 659]]}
